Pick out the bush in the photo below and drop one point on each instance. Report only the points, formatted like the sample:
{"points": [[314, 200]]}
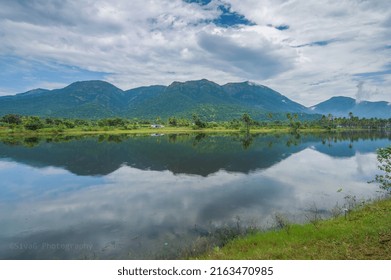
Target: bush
{"points": [[12, 119], [384, 160], [33, 123]]}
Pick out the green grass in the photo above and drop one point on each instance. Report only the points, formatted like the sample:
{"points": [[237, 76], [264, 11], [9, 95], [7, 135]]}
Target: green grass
{"points": [[141, 130], [148, 130], [364, 234]]}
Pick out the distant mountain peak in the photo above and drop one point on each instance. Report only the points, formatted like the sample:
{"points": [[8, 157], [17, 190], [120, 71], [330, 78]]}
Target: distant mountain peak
{"points": [[199, 82], [91, 83], [342, 97], [341, 106], [33, 92], [91, 88], [254, 84]]}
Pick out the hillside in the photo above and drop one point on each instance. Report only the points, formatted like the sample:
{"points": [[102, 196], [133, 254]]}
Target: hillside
{"points": [[213, 102], [263, 98], [98, 99], [341, 107], [91, 99]]}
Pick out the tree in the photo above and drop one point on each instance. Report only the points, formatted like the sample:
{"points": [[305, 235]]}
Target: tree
{"points": [[172, 121], [351, 116], [69, 124], [49, 121], [33, 123], [12, 119], [81, 122], [384, 160], [289, 117], [112, 122], [247, 120], [293, 122], [198, 122]]}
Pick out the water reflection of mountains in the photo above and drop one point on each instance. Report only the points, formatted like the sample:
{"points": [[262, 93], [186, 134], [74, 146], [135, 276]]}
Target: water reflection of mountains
{"points": [[199, 154]]}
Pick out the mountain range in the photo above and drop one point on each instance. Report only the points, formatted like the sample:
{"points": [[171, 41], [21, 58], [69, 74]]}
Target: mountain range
{"points": [[341, 106], [99, 99]]}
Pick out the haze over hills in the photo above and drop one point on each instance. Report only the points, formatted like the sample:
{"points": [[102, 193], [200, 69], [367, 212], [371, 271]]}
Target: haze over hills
{"points": [[99, 99]]}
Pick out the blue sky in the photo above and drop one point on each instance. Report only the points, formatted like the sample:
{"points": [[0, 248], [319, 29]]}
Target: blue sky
{"points": [[19, 74], [307, 50]]}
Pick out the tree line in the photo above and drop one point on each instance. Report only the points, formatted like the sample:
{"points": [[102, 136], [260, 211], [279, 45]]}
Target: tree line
{"points": [[245, 122]]}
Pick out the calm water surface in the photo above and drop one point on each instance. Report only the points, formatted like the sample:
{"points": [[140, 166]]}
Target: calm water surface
{"points": [[117, 197]]}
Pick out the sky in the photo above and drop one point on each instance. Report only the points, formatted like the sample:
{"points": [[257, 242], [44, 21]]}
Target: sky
{"points": [[308, 50]]}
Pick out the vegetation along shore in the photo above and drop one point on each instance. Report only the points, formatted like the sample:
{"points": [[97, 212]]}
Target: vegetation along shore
{"points": [[364, 233], [27, 125]]}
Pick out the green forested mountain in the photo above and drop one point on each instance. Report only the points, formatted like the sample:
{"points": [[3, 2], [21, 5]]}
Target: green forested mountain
{"points": [[99, 99], [262, 98], [92, 99], [341, 106]]}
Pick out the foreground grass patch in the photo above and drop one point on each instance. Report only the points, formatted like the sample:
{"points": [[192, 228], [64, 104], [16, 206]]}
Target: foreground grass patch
{"points": [[364, 234]]}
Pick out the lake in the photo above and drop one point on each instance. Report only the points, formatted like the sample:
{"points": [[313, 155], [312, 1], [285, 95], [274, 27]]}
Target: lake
{"points": [[166, 196]]}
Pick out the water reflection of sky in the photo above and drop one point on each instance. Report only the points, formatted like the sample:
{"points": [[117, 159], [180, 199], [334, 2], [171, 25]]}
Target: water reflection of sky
{"points": [[131, 211], [21, 182]]}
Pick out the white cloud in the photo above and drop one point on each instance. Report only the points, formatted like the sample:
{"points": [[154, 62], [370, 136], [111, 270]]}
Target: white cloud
{"points": [[138, 43], [353, 37], [245, 56]]}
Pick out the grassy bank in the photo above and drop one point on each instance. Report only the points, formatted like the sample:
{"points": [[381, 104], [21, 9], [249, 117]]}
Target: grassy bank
{"points": [[142, 130], [165, 130], [365, 233]]}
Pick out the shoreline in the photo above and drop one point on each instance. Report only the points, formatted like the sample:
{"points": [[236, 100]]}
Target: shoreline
{"points": [[363, 234], [171, 130]]}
